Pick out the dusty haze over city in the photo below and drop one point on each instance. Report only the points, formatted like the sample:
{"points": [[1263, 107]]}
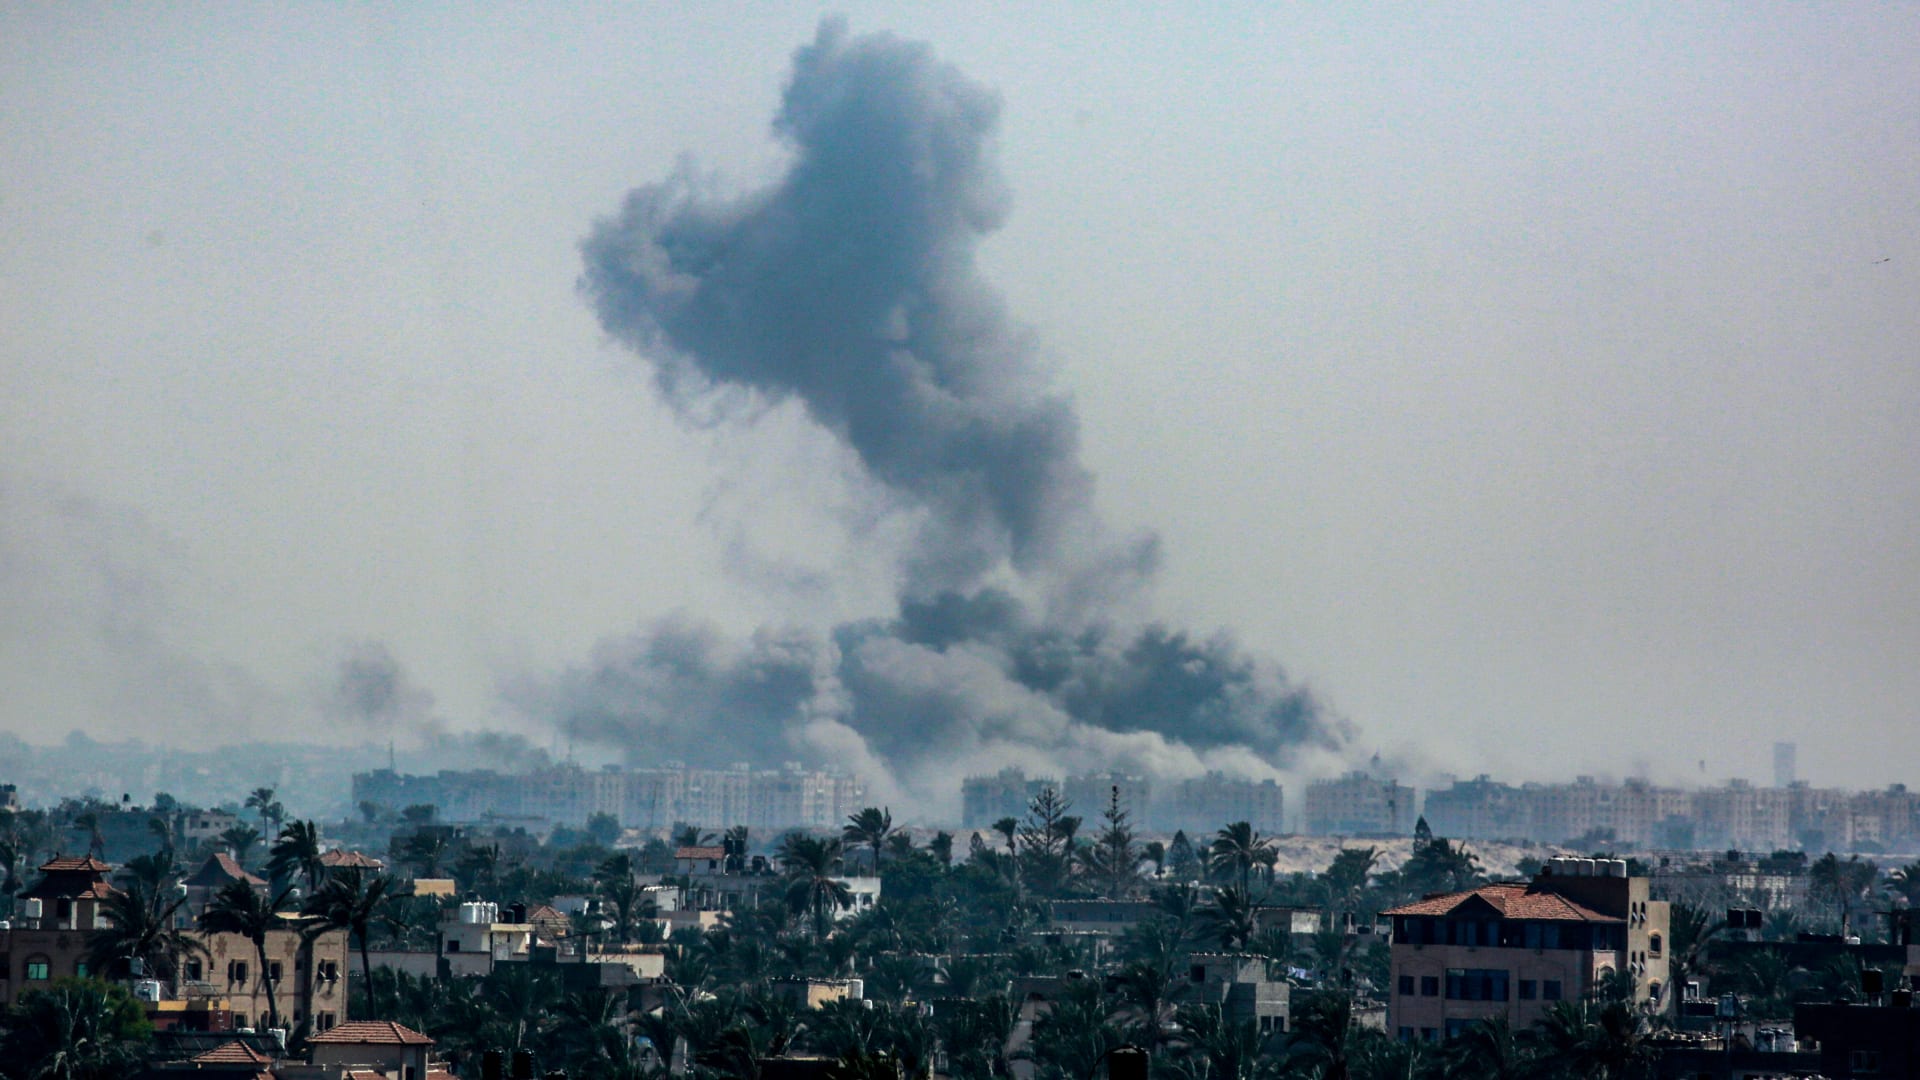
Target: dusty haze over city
{"points": [[1514, 392]]}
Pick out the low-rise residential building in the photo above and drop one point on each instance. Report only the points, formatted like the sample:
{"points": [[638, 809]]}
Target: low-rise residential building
{"points": [[1513, 949]]}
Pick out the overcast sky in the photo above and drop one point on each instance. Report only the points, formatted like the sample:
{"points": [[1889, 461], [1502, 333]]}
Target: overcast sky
{"points": [[1537, 385]]}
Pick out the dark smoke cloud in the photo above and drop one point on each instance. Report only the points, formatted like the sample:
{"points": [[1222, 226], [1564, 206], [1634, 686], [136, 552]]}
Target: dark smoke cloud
{"points": [[372, 690], [850, 286]]}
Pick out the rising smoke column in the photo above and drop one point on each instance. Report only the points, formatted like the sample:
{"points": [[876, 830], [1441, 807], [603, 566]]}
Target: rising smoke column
{"points": [[850, 287]]}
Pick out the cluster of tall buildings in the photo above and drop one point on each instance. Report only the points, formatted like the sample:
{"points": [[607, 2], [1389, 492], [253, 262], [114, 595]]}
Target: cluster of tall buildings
{"points": [[1638, 814], [789, 797], [1204, 803]]}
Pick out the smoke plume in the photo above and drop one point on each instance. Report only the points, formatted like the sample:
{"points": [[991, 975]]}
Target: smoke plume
{"points": [[850, 287]]}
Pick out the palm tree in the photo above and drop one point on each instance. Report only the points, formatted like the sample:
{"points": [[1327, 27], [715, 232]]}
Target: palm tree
{"points": [[1841, 883], [810, 864], [1488, 1050], [141, 926], [271, 812], [1009, 828], [77, 1029], [88, 821], [1689, 930], [869, 827], [240, 840], [1237, 848], [297, 851], [1231, 920], [237, 909], [355, 901], [614, 879]]}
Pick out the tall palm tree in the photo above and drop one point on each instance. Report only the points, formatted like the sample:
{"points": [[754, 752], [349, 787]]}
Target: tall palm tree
{"points": [[1841, 883], [237, 909], [614, 880], [272, 814], [355, 901], [480, 865], [1236, 849], [75, 1030], [869, 827], [810, 864], [297, 851], [141, 926]]}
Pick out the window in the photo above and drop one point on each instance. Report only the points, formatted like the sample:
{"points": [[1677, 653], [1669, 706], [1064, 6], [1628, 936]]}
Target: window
{"points": [[1430, 1034], [1406, 985], [1653, 945], [39, 969], [194, 971], [1863, 1062], [80, 969], [273, 970], [1406, 1034], [1456, 1026], [1429, 986], [453, 946], [239, 1020], [1198, 973], [1550, 989], [63, 910], [1529, 989], [237, 971], [326, 1021], [1477, 984]]}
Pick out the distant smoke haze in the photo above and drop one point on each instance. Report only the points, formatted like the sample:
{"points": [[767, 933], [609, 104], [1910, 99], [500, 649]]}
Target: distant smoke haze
{"points": [[850, 286]]}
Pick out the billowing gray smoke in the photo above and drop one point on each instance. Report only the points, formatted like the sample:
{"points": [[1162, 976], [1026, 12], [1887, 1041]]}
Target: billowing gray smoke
{"points": [[850, 287]]}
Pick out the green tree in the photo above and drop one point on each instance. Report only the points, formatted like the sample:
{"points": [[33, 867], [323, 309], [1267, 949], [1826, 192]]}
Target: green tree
{"points": [[1231, 919], [1841, 884], [1237, 849], [74, 1029], [811, 865], [869, 828], [272, 814], [240, 839], [296, 851], [140, 927]]}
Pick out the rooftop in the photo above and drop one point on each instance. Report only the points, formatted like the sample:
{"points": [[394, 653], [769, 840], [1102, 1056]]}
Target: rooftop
{"points": [[371, 1033], [1512, 899]]}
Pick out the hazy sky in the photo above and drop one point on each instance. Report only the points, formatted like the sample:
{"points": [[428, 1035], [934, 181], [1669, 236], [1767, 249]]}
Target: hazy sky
{"points": [[1537, 385]]}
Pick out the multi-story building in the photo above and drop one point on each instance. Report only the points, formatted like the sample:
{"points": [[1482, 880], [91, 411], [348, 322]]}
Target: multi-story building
{"points": [[1744, 817], [1090, 794], [1007, 793], [790, 797], [1359, 805], [1513, 949], [1206, 803], [52, 935]]}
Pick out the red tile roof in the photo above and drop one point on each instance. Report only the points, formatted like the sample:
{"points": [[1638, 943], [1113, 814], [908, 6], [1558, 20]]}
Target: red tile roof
{"points": [[344, 858], [219, 869], [233, 1053], [372, 1033], [700, 853], [1513, 900], [67, 864]]}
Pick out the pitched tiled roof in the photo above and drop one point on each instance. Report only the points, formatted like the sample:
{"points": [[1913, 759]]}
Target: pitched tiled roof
{"points": [[372, 1033], [67, 864], [700, 853], [344, 858], [1512, 899], [233, 1053], [219, 869]]}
